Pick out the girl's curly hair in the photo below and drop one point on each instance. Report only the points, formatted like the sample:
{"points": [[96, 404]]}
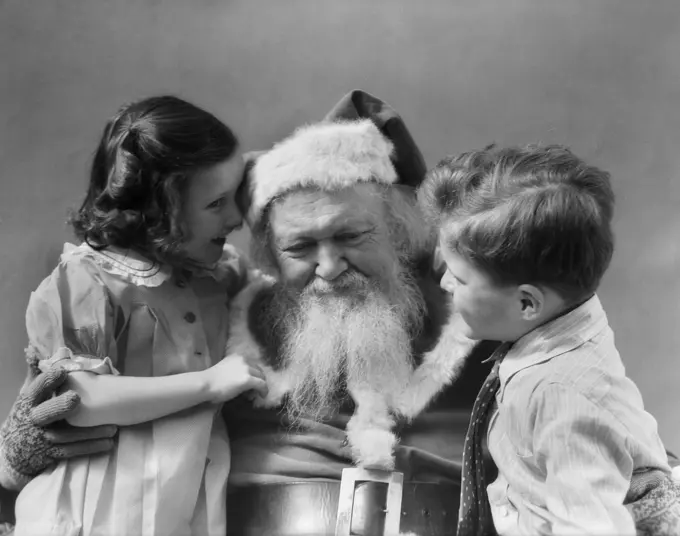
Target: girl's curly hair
{"points": [[147, 154]]}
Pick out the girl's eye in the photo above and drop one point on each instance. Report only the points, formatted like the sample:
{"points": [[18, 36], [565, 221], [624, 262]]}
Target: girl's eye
{"points": [[217, 203]]}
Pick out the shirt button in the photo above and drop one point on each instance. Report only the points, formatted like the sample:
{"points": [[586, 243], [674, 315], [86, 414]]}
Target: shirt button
{"points": [[190, 317]]}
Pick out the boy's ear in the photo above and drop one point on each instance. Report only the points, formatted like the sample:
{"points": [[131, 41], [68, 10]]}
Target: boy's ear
{"points": [[532, 302]]}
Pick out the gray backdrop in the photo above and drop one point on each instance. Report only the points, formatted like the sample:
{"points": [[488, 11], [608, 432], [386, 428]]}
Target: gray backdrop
{"points": [[602, 76]]}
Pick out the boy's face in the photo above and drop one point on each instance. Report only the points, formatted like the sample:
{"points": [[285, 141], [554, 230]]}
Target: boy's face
{"points": [[490, 312]]}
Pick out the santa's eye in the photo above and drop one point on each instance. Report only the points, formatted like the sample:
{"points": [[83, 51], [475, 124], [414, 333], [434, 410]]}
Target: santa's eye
{"points": [[298, 248]]}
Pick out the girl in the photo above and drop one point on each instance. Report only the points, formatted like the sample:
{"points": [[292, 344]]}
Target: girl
{"points": [[138, 314]]}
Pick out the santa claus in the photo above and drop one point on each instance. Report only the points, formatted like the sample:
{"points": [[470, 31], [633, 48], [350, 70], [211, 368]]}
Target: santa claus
{"points": [[346, 316], [341, 235]]}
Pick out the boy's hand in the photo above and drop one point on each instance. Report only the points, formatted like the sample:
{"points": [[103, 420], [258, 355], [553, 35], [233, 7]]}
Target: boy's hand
{"points": [[235, 375], [34, 435]]}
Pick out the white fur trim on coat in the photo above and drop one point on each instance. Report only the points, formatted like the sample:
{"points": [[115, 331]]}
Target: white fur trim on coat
{"points": [[331, 156]]}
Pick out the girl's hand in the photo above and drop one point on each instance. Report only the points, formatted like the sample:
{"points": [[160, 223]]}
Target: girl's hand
{"points": [[232, 376]]}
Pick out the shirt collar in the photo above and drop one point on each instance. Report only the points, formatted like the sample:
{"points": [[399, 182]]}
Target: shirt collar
{"points": [[554, 338]]}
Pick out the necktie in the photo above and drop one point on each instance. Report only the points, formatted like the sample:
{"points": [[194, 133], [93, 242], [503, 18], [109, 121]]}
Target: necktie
{"points": [[474, 518]]}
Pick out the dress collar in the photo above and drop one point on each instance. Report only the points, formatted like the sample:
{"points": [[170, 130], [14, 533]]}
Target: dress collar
{"points": [[125, 263]]}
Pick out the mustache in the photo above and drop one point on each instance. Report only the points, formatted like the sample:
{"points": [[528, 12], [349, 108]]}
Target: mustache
{"points": [[350, 280]]}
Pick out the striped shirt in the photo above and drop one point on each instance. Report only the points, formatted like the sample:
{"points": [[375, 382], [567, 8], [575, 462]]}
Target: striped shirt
{"points": [[568, 431]]}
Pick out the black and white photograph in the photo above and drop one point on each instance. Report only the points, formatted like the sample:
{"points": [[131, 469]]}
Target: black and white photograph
{"points": [[340, 268]]}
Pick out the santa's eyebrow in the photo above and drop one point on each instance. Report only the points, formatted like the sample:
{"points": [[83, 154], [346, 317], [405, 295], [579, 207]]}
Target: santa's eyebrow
{"points": [[356, 227], [287, 241]]}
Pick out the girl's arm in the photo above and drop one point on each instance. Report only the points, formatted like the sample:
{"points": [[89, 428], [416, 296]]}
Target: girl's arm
{"points": [[70, 321], [126, 400]]}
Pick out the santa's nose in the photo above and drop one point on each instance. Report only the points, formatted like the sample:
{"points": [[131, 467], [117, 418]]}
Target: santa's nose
{"points": [[330, 263]]}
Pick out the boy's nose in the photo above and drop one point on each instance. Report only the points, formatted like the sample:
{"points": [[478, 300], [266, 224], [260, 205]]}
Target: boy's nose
{"points": [[448, 283]]}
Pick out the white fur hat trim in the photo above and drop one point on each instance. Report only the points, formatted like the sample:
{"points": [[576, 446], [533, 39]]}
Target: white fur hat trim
{"points": [[331, 156]]}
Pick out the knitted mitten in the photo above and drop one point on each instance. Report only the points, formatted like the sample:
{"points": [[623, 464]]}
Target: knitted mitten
{"points": [[653, 500], [642, 483], [29, 445]]}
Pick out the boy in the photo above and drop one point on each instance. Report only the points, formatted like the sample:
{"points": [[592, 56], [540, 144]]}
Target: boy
{"points": [[526, 237]]}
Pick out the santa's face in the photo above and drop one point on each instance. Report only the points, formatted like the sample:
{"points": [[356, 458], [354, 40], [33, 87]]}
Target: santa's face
{"points": [[347, 304], [319, 236]]}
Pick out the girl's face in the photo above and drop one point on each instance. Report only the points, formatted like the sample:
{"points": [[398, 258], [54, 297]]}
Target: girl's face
{"points": [[210, 212]]}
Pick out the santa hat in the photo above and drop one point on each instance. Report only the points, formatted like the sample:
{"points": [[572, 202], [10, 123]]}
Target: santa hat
{"points": [[361, 139]]}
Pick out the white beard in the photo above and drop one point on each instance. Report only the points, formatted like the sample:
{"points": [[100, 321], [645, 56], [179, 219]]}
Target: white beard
{"points": [[348, 332], [350, 336]]}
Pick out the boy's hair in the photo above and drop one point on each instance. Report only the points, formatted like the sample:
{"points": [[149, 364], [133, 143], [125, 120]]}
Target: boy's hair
{"points": [[147, 154], [535, 214]]}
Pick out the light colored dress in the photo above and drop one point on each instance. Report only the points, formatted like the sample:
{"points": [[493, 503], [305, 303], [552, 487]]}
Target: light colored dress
{"points": [[114, 312]]}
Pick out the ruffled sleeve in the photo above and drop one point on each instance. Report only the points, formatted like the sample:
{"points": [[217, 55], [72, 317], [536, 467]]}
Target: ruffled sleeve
{"points": [[70, 320]]}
